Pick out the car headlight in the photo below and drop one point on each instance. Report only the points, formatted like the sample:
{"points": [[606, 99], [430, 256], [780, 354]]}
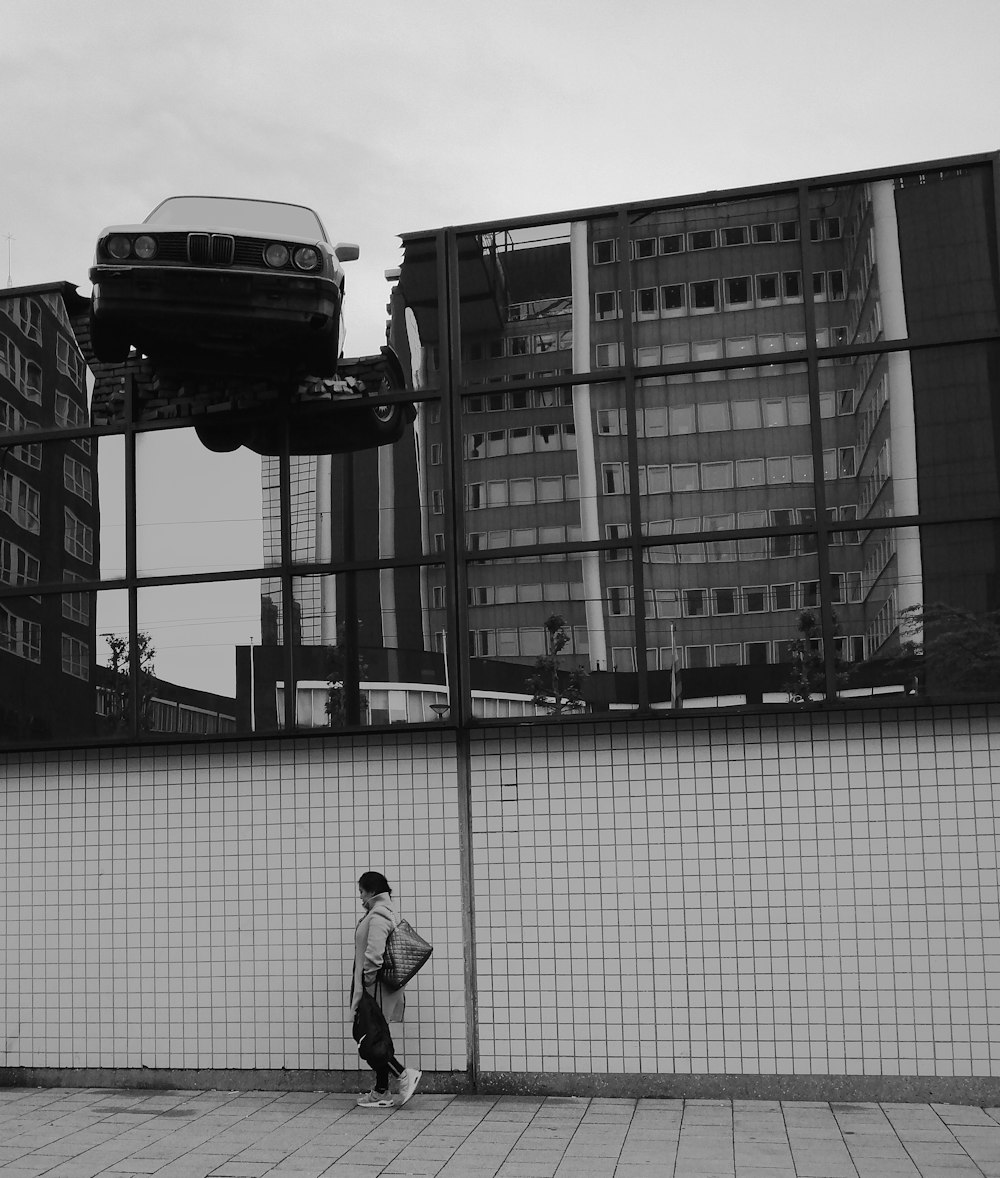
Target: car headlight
{"points": [[306, 257], [119, 246], [145, 247], [276, 255]]}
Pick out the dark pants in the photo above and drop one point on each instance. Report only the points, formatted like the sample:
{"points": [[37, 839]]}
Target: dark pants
{"points": [[393, 1065]]}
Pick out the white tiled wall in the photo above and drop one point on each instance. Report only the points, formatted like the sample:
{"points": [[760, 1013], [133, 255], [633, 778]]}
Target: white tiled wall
{"points": [[195, 906], [806, 896], [815, 895]]}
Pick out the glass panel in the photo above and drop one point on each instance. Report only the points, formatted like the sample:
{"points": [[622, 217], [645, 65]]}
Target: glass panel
{"points": [[921, 611], [552, 636], [200, 638], [516, 304], [369, 650], [907, 257], [522, 475], [52, 666], [912, 432], [61, 511], [728, 626], [196, 511], [723, 447], [374, 504], [415, 329]]}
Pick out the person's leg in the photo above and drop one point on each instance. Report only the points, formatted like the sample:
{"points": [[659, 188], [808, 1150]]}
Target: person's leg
{"points": [[379, 1096]]}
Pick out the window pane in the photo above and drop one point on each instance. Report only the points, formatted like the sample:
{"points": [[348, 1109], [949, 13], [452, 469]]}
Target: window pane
{"points": [[198, 511]]}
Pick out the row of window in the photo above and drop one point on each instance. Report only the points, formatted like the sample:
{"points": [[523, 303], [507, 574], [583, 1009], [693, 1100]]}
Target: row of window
{"points": [[849, 649], [739, 293], [663, 421], [729, 600], [605, 250], [498, 347], [611, 355], [539, 309], [23, 638], [682, 477], [517, 492], [537, 439], [22, 502], [514, 399]]}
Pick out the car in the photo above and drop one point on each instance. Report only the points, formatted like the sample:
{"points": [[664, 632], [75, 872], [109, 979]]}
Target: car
{"points": [[228, 282]]}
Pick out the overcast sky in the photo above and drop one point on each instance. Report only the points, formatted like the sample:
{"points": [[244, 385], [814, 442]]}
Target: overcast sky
{"points": [[389, 116]]}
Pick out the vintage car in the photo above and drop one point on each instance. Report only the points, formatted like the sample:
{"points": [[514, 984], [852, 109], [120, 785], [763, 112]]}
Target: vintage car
{"points": [[225, 280]]}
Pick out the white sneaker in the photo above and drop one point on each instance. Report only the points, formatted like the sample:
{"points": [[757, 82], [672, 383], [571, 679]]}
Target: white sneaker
{"points": [[408, 1082], [375, 1099]]}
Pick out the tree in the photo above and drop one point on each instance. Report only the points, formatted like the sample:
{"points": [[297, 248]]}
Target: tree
{"points": [[957, 650], [118, 708], [552, 688], [808, 674], [345, 702]]}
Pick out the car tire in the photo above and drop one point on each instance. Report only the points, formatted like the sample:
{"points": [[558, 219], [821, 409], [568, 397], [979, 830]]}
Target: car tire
{"points": [[388, 421], [108, 345]]}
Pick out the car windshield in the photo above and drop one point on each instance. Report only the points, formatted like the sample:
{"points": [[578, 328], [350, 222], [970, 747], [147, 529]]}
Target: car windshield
{"points": [[227, 212]]}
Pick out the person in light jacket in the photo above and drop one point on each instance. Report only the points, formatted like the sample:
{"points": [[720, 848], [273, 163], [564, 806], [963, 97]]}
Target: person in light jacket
{"points": [[373, 929]]}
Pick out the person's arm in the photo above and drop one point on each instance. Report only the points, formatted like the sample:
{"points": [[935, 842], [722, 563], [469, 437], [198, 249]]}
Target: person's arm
{"points": [[378, 933]]}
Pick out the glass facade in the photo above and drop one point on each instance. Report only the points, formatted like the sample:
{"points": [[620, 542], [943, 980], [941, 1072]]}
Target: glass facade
{"points": [[729, 452]]}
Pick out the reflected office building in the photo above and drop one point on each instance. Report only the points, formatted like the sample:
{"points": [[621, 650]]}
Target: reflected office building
{"points": [[721, 452]]}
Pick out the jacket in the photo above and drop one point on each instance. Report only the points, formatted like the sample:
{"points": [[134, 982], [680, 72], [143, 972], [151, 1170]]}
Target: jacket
{"points": [[369, 950]]}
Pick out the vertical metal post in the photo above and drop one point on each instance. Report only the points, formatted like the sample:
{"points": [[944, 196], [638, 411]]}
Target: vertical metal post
{"points": [[457, 649], [632, 441], [827, 623], [131, 561]]}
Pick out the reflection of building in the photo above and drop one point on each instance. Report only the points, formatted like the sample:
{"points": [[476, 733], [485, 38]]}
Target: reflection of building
{"points": [[48, 492], [681, 428], [166, 707], [728, 442]]}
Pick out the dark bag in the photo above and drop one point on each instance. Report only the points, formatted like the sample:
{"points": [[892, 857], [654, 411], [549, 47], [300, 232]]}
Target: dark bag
{"points": [[406, 951], [371, 1032]]}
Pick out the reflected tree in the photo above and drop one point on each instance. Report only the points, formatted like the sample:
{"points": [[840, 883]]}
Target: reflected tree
{"points": [[345, 702], [956, 650], [118, 694], [553, 688], [808, 674]]}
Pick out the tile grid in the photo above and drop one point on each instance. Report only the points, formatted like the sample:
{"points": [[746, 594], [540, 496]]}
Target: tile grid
{"points": [[195, 907], [796, 896]]}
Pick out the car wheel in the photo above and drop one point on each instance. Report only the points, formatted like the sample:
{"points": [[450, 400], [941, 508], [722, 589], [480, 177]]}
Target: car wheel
{"points": [[388, 421], [108, 345]]}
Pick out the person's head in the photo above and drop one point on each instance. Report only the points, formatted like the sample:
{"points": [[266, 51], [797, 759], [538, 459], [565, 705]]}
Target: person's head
{"points": [[372, 883]]}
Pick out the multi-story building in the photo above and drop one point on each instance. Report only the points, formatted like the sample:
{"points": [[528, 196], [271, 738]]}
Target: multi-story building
{"points": [[673, 422], [49, 529]]}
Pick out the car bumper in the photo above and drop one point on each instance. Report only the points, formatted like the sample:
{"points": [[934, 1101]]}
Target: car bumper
{"points": [[193, 302]]}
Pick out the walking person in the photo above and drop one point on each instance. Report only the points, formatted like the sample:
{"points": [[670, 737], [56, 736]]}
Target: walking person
{"points": [[373, 929]]}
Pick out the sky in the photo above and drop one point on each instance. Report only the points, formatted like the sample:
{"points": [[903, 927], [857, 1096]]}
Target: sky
{"points": [[392, 116]]}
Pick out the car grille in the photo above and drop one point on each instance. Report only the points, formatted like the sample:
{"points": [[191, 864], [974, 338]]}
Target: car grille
{"points": [[214, 248]]}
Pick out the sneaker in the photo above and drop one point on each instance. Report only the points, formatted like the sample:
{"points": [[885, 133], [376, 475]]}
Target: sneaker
{"points": [[408, 1082], [375, 1099]]}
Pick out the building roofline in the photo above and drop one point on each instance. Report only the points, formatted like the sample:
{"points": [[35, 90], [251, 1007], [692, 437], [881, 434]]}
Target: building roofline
{"points": [[712, 196], [75, 301]]}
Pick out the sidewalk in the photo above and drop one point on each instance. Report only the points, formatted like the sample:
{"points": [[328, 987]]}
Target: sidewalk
{"points": [[84, 1132]]}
